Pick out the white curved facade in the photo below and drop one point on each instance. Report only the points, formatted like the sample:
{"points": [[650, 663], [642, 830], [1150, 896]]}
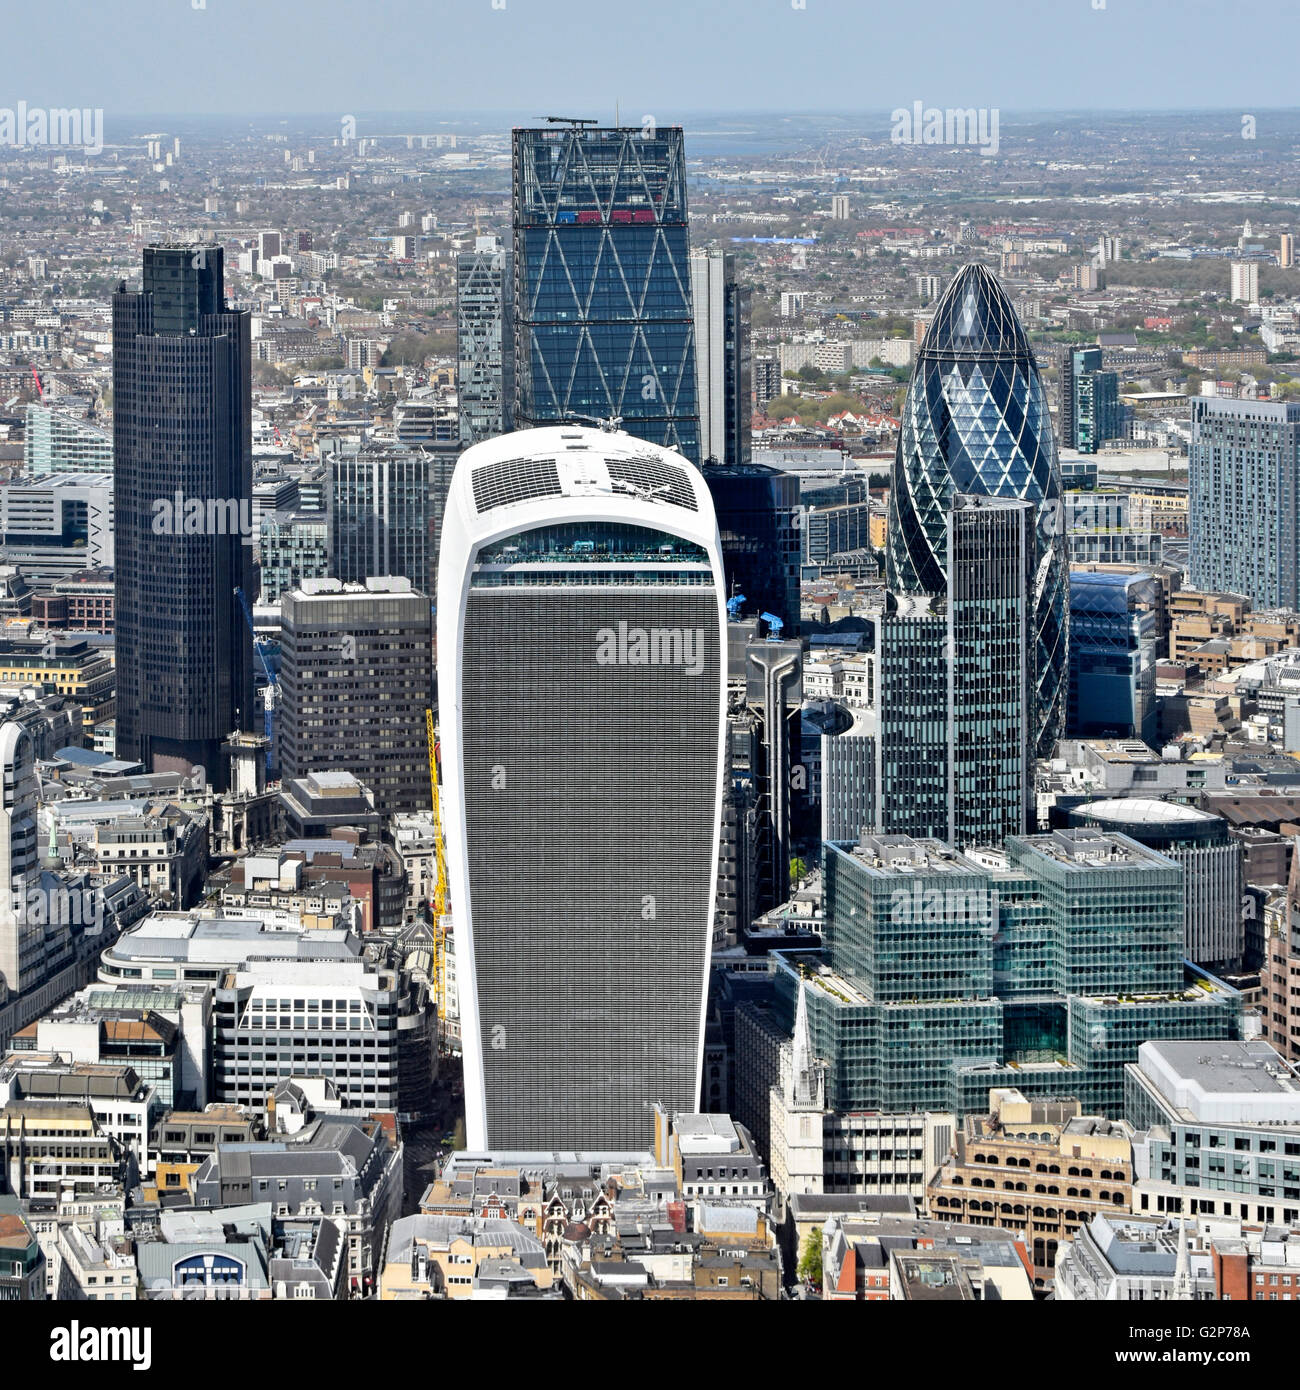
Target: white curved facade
{"points": [[582, 690]]}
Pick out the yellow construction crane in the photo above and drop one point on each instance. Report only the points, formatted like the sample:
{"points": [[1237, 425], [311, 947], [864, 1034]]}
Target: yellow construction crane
{"points": [[439, 904]]}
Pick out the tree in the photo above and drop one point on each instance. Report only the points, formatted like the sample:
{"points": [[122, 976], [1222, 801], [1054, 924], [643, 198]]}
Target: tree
{"points": [[458, 1141], [810, 1262], [798, 868]]}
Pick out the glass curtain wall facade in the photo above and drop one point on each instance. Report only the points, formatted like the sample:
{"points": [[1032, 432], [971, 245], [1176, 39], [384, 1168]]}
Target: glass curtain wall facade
{"points": [[182, 441], [1042, 967], [990, 722], [485, 369], [976, 421], [758, 518], [602, 283], [379, 515], [1114, 635]]}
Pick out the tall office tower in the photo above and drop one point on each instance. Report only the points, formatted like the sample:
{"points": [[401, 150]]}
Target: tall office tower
{"points": [[1065, 396], [1243, 473], [991, 562], [911, 708], [757, 507], [182, 447], [356, 676], [767, 379], [1245, 282], [582, 684], [1073, 363], [976, 421], [954, 710], [848, 780], [379, 514], [1286, 251], [22, 937], [1096, 410], [485, 354], [722, 357], [1114, 643], [602, 287], [840, 207]]}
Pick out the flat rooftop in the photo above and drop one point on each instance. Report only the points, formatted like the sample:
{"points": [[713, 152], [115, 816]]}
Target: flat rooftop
{"points": [[895, 854], [1222, 1082]]}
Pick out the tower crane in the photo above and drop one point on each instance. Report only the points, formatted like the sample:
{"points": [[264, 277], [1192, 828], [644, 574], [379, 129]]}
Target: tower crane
{"points": [[438, 906]]}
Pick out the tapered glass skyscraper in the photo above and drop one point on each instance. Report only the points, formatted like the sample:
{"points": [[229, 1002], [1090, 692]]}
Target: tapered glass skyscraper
{"points": [[581, 675], [976, 421], [602, 282]]}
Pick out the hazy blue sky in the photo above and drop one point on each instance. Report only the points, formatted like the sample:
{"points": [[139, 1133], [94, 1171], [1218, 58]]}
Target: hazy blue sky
{"points": [[660, 57]]}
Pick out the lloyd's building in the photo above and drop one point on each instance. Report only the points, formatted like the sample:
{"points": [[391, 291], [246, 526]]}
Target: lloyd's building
{"points": [[582, 700]]}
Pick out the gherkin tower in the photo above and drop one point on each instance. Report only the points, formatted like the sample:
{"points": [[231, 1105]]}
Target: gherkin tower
{"points": [[976, 421]]}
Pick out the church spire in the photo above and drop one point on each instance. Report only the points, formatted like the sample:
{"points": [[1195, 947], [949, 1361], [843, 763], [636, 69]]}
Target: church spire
{"points": [[1183, 1266]]}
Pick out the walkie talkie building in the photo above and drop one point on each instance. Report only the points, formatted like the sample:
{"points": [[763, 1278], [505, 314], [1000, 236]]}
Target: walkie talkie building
{"points": [[976, 421], [582, 690]]}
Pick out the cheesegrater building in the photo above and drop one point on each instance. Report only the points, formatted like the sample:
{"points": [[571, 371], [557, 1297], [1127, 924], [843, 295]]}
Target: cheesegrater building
{"points": [[582, 685], [602, 314]]}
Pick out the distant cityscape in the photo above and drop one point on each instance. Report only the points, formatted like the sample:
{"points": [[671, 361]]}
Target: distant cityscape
{"points": [[630, 711]]}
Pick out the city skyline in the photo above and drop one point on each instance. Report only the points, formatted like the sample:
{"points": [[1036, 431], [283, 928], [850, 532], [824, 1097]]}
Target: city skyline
{"points": [[686, 692]]}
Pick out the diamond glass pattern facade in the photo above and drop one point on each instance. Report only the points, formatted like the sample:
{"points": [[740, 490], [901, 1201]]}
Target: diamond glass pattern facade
{"points": [[602, 282], [976, 420]]}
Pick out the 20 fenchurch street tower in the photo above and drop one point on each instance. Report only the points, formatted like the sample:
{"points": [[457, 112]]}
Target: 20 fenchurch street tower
{"points": [[581, 626], [976, 421]]}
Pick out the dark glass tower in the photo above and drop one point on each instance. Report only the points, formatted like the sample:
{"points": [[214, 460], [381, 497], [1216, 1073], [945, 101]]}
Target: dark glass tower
{"points": [[976, 421], [182, 491], [602, 282], [758, 515], [380, 518]]}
